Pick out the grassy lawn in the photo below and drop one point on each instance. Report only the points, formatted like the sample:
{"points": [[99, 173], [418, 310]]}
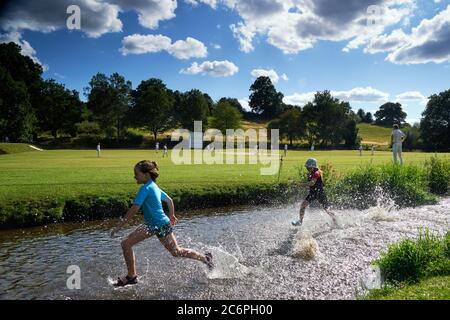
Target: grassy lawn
{"points": [[62, 173], [372, 134], [8, 148], [436, 288]]}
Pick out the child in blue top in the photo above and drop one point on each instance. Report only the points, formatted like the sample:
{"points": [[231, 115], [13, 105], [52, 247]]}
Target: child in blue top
{"points": [[150, 198]]}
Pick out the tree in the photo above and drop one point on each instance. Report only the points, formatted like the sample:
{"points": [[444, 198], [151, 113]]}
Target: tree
{"points": [[435, 122], [289, 125], [234, 102], [152, 104], [225, 116], [109, 99], [325, 119], [16, 115], [264, 99], [191, 106], [351, 134], [361, 114], [58, 109], [390, 113], [368, 118]]}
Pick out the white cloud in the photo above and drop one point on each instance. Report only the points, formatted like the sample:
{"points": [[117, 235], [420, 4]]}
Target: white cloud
{"points": [[412, 96], [385, 42], [428, 42], [97, 16], [139, 44], [211, 3], [295, 25], [284, 77], [359, 94], [212, 68], [272, 74], [216, 46], [244, 104], [181, 49], [26, 48], [189, 48], [299, 99]]}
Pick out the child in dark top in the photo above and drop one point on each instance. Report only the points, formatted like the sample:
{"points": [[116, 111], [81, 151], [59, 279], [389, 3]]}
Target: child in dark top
{"points": [[316, 191]]}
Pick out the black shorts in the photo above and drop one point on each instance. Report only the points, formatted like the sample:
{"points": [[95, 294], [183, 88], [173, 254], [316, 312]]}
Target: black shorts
{"points": [[318, 195]]}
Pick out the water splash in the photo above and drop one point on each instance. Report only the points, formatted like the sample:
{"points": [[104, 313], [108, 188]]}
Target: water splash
{"points": [[385, 210], [226, 265], [305, 246]]}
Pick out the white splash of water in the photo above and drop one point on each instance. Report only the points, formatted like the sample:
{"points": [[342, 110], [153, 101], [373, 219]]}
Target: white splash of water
{"points": [[305, 246], [385, 210], [226, 265]]}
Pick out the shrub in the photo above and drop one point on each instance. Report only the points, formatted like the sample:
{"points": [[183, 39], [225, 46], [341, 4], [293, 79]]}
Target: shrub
{"points": [[438, 175], [412, 260]]}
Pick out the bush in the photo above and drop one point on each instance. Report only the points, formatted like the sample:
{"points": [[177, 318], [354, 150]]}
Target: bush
{"points": [[412, 260], [133, 137], [438, 175]]}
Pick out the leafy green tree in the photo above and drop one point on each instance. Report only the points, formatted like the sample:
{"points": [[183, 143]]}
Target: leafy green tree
{"points": [[16, 114], [368, 118], [325, 119], [265, 99], [225, 116], [361, 114], [289, 124], [58, 109], [152, 104], [435, 122], [189, 107], [351, 137], [234, 102], [389, 114], [109, 99]]}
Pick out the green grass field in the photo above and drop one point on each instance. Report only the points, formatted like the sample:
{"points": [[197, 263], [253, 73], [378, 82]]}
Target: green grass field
{"points": [[8, 148], [68, 173], [372, 134]]}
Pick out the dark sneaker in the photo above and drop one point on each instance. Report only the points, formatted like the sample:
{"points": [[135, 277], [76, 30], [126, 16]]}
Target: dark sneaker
{"points": [[209, 262], [296, 223], [128, 281]]}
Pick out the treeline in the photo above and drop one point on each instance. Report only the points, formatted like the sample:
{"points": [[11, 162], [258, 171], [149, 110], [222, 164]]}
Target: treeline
{"points": [[31, 107]]}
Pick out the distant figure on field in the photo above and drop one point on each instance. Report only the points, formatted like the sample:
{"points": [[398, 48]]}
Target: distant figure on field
{"points": [[285, 150], [165, 150], [312, 147], [373, 149], [397, 139], [157, 147], [360, 150], [98, 150], [6, 139]]}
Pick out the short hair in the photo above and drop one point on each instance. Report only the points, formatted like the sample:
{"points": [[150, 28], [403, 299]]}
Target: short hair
{"points": [[395, 126], [151, 167]]}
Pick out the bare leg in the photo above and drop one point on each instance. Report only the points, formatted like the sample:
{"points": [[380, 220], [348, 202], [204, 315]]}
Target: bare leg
{"points": [[303, 207], [170, 243], [138, 235]]}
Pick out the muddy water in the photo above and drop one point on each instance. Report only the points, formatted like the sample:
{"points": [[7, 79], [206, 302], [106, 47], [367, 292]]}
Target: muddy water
{"points": [[256, 250]]}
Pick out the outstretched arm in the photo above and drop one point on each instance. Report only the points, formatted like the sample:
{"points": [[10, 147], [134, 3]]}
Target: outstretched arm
{"points": [[173, 219], [130, 213]]}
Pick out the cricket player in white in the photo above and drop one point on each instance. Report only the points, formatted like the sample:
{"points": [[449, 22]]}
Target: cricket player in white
{"points": [[397, 139]]}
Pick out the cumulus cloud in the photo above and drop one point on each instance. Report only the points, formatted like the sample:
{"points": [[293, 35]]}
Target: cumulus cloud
{"points": [[181, 49], [26, 48], [428, 42], [189, 48], [272, 74], [211, 3], [97, 16], [296, 25], [213, 68], [359, 94], [412, 96]]}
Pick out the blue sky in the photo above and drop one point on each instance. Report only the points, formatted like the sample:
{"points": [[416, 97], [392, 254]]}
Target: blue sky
{"points": [[303, 45]]}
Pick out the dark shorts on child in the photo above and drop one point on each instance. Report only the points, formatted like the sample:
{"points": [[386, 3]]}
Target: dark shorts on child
{"points": [[318, 195], [160, 232]]}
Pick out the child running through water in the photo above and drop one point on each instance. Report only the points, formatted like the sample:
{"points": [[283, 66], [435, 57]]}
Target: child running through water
{"points": [[316, 191], [150, 198]]}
